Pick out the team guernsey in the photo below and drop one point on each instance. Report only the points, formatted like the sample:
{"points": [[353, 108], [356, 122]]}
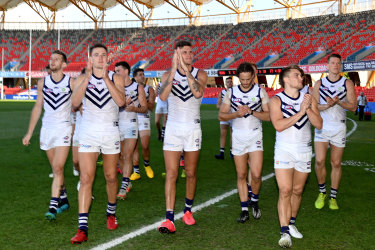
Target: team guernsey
{"points": [[293, 145], [56, 125], [334, 118], [144, 119], [183, 129], [99, 125], [128, 121], [247, 130], [305, 89]]}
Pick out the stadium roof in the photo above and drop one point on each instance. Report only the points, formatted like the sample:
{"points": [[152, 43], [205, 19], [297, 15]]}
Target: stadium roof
{"points": [[191, 8]]}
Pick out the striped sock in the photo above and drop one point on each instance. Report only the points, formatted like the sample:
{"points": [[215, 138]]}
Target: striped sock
{"points": [[284, 229], [136, 168], [146, 163], [53, 204], [188, 204], [63, 196], [250, 191], [83, 222], [244, 206], [169, 215], [254, 197], [111, 208], [322, 188], [292, 221], [333, 193], [125, 182]]}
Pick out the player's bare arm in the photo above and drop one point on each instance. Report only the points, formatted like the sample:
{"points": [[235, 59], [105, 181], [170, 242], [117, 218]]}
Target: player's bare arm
{"points": [[351, 100], [263, 115], [314, 115], [79, 85], [218, 104], [35, 114], [197, 86], [225, 113], [279, 122], [167, 79], [115, 88], [142, 102], [151, 99]]}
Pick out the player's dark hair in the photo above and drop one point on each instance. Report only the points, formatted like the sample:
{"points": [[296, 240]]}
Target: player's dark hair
{"points": [[181, 44], [124, 64], [98, 45], [59, 52], [285, 72], [244, 67], [135, 72], [334, 55]]}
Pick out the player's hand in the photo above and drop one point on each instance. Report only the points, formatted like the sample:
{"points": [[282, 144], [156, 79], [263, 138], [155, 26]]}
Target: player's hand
{"points": [[105, 72], [306, 103], [242, 111], [175, 60], [26, 140], [130, 108], [336, 100], [330, 101], [181, 61], [128, 100], [88, 70]]}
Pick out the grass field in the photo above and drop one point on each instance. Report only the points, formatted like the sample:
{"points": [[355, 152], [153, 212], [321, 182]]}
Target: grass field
{"points": [[25, 194]]}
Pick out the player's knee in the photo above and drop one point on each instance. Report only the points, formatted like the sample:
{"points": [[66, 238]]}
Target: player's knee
{"points": [[111, 178], [190, 174], [171, 175], [336, 164], [285, 192], [297, 191], [241, 176], [256, 178], [86, 179], [320, 163]]}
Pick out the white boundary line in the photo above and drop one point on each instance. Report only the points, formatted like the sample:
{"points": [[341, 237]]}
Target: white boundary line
{"points": [[143, 230]]}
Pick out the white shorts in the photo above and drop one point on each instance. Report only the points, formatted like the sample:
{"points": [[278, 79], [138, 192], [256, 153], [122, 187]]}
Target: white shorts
{"points": [[177, 139], [246, 141], [75, 138], [104, 143], [229, 123], [334, 137], [55, 137], [286, 159], [128, 130], [161, 107], [144, 124]]}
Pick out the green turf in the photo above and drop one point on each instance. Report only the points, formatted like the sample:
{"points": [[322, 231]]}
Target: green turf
{"points": [[25, 194]]}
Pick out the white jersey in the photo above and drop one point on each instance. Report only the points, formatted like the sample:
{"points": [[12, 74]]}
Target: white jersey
{"points": [[298, 136], [305, 89], [223, 93], [146, 115], [183, 107], [253, 99], [333, 117], [100, 112], [132, 92], [57, 102]]}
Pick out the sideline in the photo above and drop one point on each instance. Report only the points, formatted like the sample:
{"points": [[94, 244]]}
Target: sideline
{"points": [[143, 230]]}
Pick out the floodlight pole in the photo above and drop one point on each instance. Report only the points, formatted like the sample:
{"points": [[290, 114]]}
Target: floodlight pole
{"points": [[58, 39], [30, 45]]}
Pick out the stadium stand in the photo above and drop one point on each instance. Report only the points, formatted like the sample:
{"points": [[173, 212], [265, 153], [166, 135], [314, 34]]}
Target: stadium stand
{"points": [[268, 43]]}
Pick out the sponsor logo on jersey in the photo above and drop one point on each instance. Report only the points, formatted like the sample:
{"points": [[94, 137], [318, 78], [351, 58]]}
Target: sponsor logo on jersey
{"points": [[91, 86], [48, 90], [288, 106], [99, 83], [258, 142], [324, 88], [196, 140], [237, 99], [117, 143], [175, 82]]}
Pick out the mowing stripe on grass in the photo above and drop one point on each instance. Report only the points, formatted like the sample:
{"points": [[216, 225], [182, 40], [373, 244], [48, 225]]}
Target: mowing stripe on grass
{"points": [[143, 230]]}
